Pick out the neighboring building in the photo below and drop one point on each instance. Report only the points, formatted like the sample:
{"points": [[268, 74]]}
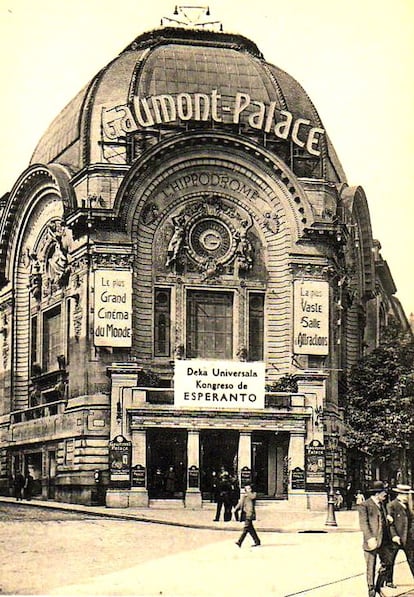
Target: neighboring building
{"points": [[187, 204]]}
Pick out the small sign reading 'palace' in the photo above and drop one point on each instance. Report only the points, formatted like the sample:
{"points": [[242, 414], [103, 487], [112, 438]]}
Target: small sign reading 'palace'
{"points": [[219, 384]]}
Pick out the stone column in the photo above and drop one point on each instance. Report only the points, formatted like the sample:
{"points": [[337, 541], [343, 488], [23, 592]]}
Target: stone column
{"points": [[193, 498], [245, 457], [124, 377], [138, 497]]}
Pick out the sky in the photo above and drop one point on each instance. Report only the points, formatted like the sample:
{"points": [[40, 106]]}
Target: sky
{"points": [[355, 60]]}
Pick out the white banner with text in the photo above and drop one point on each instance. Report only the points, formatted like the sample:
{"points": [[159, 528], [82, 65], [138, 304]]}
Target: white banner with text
{"points": [[113, 308], [311, 317], [219, 384]]}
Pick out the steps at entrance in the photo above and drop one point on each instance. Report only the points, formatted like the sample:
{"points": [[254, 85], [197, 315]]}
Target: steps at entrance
{"points": [[169, 504]]}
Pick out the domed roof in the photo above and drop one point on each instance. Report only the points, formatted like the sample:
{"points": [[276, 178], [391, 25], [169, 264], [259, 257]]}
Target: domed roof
{"points": [[174, 78]]}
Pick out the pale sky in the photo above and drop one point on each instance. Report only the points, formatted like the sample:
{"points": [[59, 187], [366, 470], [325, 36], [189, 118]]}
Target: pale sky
{"points": [[355, 60]]}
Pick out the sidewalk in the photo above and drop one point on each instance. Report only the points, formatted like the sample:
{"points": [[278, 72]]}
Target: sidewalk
{"points": [[270, 518], [305, 557]]}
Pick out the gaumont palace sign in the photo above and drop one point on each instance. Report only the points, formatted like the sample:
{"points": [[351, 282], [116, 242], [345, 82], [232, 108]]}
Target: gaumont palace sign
{"points": [[219, 385], [237, 109]]}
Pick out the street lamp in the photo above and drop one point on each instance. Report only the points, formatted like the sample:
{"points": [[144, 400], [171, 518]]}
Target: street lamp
{"points": [[333, 441]]}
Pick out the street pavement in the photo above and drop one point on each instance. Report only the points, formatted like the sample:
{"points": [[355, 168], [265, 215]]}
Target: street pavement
{"points": [[182, 553]]}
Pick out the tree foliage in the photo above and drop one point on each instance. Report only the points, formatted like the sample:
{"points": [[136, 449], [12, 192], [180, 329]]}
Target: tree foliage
{"points": [[380, 396], [286, 383]]}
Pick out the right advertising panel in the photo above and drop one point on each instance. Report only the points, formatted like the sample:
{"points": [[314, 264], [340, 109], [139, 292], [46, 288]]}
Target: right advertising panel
{"points": [[311, 317]]}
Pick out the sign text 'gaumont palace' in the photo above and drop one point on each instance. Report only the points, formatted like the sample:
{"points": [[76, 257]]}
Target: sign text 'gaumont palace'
{"points": [[200, 107]]}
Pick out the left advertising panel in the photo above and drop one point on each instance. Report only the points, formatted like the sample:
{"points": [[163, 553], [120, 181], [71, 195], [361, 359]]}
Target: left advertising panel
{"points": [[113, 308]]}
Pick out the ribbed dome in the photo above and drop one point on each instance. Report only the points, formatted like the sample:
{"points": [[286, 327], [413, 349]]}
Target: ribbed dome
{"points": [[226, 70]]}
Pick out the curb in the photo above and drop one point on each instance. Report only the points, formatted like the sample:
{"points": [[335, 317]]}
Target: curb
{"points": [[92, 511]]}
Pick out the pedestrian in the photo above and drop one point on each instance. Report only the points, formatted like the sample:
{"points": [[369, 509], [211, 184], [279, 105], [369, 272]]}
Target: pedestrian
{"points": [[400, 518], [223, 472], [213, 487], [235, 495], [349, 496], [18, 484], [223, 497], [158, 482], [359, 497], [170, 481], [28, 486], [247, 507], [376, 536], [339, 500]]}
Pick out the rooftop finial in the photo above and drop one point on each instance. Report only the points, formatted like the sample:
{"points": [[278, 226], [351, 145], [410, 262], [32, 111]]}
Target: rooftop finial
{"points": [[192, 17]]}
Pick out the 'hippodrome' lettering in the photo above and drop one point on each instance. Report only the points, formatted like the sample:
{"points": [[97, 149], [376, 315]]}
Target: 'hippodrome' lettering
{"points": [[208, 179]]}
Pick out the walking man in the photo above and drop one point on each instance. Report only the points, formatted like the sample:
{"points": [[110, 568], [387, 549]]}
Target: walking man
{"points": [[376, 537], [247, 508], [400, 518]]}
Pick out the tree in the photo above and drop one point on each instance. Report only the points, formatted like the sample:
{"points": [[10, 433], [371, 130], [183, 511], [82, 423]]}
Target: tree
{"points": [[380, 397]]}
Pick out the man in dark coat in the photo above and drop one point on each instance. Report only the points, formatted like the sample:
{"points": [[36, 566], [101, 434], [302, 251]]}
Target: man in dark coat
{"points": [[224, 497], [235, 495], [400, 518], [349, 496], [28, 486], [247, 507], [376, 537], [18, 483]]}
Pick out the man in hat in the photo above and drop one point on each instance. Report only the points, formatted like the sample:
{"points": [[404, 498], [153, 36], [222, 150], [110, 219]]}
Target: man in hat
{"points": [[400, 518], [376, 536], [223, 497]]}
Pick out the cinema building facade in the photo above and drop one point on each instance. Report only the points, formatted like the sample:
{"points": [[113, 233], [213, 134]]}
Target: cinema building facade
{"points": [[186, 278]]}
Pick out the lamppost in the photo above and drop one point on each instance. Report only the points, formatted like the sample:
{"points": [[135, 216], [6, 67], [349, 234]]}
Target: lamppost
{"points": [[332, 444]]}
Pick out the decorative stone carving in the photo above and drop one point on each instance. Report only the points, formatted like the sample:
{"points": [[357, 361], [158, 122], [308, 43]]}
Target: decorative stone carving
{"points": [[77, 317], [35, 275], [176, 241], [271, 221], [210, 236], [244, 249], [312, 271], [179, 351], [242, 353], [211, 269], [105, 260], [4, 331], [150, 213], [57, 266]]}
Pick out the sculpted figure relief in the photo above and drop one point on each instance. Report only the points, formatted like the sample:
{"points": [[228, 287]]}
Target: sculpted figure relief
{"points": [[176, 241], [244, 250], [57, 261]]}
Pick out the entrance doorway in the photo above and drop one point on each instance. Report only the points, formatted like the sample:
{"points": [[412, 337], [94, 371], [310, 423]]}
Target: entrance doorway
{"points": [[218, 448], [33, 465], [51, 486], [167, 463], [268, 453]]}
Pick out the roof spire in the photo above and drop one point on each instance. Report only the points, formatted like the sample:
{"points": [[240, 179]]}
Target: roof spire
{"points": [[191, 17]]}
